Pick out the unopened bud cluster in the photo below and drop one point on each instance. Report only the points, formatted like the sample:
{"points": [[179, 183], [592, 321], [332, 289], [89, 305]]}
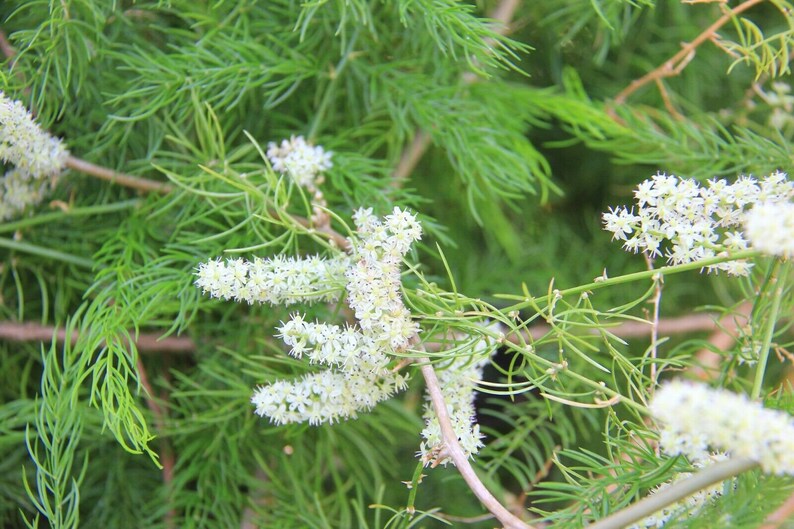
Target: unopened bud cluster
{"points": [[694, 417], [700, 222], [458, 379], [357, 357], [36, 156]]}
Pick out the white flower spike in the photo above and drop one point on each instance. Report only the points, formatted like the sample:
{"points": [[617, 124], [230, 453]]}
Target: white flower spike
{"points": [[37, 158], [357, 357], [687, 222], [693, 416]]}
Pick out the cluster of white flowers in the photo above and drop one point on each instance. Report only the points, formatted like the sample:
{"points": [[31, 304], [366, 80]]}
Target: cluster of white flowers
{"points": [[327, 396], [277, 281], [694, 417], [374, 279], [458, 379], [701, 222], [770, 228], [301, 161], [358, 356], [690, 506], [346, 348], [37, 158]]}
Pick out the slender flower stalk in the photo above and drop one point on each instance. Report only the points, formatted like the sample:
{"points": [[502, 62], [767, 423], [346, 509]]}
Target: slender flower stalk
{"points": [[459, 457]]}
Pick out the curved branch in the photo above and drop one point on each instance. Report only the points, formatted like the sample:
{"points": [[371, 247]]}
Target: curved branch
{"points": [[675, 64], [30, 332], [453, 448], [674, 493]]}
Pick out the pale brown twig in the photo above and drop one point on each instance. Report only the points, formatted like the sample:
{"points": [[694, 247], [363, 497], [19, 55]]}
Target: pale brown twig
{"points": [[410, 158], [149, 343], [453, 449], [675, 64], [103, 173], [632, 329], [723, 338], [338, 239], [31, 332], [5, 46], [668, 103]]}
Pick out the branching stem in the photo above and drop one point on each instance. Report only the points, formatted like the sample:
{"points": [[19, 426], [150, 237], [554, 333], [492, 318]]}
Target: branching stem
{"points": [[675, 64], [454, 450], [675, 492], [103, 173]]}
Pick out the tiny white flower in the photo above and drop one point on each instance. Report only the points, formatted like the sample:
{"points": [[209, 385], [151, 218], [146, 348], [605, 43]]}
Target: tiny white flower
{"points": [[357, 357], [273, 281]]}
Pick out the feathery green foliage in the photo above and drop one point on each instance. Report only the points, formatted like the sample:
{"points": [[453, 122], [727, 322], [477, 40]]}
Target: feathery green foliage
{"points": [[520, 145]]}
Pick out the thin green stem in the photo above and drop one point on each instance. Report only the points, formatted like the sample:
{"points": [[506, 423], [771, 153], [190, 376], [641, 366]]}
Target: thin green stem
{"points": [[778, 280], [645, 274], [45, 252], [664, 270], [47, 218], [605, 389], [328, 96], [417, 477], [675, 492]]}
